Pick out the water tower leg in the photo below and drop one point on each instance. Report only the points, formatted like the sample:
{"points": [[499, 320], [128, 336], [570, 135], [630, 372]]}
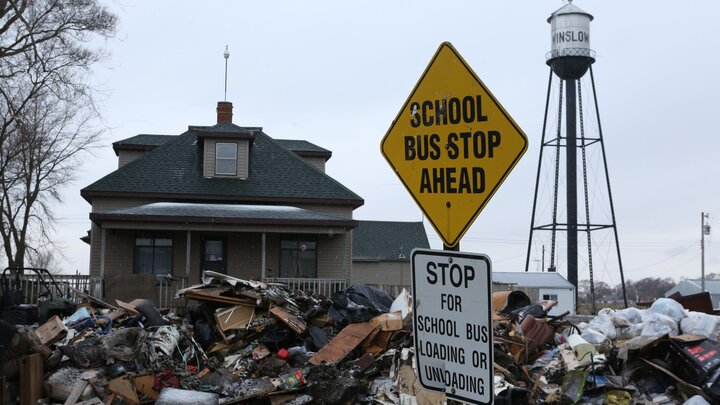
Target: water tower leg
{"points": [[571, 178]]}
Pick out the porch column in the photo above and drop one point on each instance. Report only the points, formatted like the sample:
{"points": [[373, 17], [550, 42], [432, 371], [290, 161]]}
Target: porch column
{"points": [[102, 253], [188, 240], [263, 257]]}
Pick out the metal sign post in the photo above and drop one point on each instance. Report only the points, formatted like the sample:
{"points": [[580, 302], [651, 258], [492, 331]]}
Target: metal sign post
{"points": [[453, 323]]}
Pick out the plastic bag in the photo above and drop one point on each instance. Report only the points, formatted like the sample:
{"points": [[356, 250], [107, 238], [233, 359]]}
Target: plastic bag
{"points": [[698, 323], [668, 307], [658, 325], [359, 303], [631, 331], [603, 323], [696, 400], [632, 314], [593, 336]]}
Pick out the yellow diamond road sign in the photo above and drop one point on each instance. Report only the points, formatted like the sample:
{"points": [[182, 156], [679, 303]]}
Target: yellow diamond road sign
{"points": [[452, 144]]}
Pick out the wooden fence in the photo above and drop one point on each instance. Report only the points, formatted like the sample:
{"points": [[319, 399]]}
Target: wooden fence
{"points": [[34, 287]]}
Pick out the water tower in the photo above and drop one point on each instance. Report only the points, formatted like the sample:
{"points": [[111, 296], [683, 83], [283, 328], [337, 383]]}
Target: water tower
{"points": [[570, 58]]}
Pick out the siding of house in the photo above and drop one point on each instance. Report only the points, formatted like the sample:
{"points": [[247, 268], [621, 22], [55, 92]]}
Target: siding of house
{"points": [[565, 296], [244, 259], [565, 299], [101, 205], [381, 273], [120, 281], [333, 256], [127, 156], [318, 162], [243, 158]]}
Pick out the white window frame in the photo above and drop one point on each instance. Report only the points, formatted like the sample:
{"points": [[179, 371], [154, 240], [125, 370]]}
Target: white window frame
{"points": [[235, 159]]}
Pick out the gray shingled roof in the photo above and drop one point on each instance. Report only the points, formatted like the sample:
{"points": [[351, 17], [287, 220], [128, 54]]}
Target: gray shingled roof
{"points": [[141, 141], [173, 170], [145, 140], [299, 145], [304, 148], [531, 279], [220, 213], [387, 241]]}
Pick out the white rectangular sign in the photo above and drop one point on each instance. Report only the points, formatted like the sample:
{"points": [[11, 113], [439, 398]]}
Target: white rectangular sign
{"points": [[452, 308]]}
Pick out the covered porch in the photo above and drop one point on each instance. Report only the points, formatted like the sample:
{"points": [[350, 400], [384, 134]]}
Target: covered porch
{"points": [[151, 250]]}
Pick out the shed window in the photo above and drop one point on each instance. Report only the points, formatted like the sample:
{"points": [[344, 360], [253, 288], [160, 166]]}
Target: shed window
{"points": [[153, 255], [550, 297], [226, 158], [298, 257]]}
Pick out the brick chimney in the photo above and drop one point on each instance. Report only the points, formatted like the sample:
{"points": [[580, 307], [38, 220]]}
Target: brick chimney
{"points": [[224, 112]]}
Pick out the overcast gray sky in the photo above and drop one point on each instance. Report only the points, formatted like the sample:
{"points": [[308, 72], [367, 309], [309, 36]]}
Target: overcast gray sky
{"points": [[336, 74]]}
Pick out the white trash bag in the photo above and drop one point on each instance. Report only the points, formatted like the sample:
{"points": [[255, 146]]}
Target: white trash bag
{"points": [[658, 325], [698, 323], [668, 307]]}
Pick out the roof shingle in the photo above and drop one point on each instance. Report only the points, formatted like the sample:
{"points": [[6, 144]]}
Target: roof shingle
{"points": [[175, 170], [387, 241]]}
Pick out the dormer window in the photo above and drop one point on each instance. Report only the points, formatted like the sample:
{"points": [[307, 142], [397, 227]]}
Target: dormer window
{"points": [[226, 158]]}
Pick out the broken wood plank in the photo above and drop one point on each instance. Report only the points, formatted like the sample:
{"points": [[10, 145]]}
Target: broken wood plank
{"points": [[292, 321], [130, 308], [77, 390], [51, 331], [89, 297], [144, 385], [201, 295], [110, 399], [236, 317], [91, 401], [31, 378], [122, 387], [343, 343], [388, 322]]}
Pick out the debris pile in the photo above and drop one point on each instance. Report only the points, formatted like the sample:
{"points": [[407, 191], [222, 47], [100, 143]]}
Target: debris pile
{"points": [[238, 341]]}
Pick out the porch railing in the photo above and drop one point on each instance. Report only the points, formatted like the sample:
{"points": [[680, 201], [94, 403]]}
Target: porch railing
{"points": [[322, 286], [167, 288], [32, 287]]}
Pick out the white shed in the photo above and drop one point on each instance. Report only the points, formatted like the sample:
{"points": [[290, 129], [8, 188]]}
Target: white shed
{"points": [[539, 286]]}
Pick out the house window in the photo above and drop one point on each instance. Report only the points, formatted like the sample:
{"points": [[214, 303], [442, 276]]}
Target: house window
{"points": [[226, 158], [153, 255], [298, 257], [550, 297]]}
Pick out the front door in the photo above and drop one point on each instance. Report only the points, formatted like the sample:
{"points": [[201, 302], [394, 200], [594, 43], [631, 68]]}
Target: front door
{"points": [[214, 254]]}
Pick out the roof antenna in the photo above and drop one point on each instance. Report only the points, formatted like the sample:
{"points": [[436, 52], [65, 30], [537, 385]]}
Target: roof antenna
{"points": [[226, 55]]}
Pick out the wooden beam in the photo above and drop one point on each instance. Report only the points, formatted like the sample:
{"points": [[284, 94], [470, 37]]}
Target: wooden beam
{"points": [[292, 321], [31, 377], [343, 343], [77, 390]]}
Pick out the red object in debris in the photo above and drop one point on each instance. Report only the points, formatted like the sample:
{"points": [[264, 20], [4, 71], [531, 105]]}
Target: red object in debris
{"points": [[165, 379], [191, 369], [283, 354], [300, 377], [536, 332]]}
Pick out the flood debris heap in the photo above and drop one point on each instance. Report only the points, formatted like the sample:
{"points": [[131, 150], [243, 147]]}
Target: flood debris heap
{"points": [[237, 341]]}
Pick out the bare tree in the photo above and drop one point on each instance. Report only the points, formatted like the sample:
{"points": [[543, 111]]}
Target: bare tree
{"points": [[48, 117], [649, 288]]}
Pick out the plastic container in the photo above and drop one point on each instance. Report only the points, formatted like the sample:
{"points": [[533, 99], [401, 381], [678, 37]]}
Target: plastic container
{"points": [[583, 350]]}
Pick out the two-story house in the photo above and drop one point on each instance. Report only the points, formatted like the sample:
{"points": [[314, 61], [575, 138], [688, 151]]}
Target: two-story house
{"points": [[225, 198]]}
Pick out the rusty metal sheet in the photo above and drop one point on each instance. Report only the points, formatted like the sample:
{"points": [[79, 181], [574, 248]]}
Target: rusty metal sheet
{"points": [[343, 343]]}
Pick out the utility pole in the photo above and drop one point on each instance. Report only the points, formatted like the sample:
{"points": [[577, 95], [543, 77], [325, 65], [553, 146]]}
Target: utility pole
{"points": [[704, 230]]}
